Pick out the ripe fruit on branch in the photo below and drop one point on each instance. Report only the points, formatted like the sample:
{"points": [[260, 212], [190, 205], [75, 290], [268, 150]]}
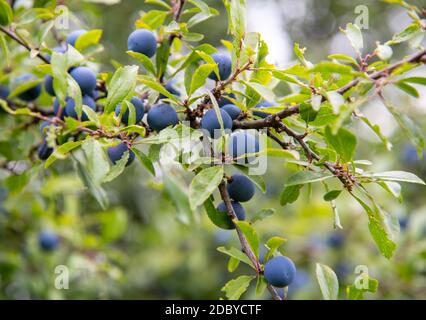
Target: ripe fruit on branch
{"points": [[115, 153], [142, 41], [210, 122], [280, 271], [161, 116], [85, 78], [241, 188], [224, 64], [233, 111], [241, 143], [44, 151], [48, 240]]}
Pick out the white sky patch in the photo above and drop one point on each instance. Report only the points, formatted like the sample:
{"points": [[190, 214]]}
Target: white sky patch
{"points": [[264, 17]]}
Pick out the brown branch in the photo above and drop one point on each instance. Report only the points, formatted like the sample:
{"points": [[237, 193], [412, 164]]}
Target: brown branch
{"points": [[244, 243], [274, 120], [13, 36]]}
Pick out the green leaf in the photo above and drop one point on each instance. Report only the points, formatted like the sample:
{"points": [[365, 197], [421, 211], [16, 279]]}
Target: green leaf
{"points": [[407, 88], [400, 176], [233, 264], [261, 285], [89, 38], [160, 3], [162, 57], [236, 287], [413, 131], [117, 168], [151, 20], [354, 35], [303, 177], [381, 226], [91, 115], [356, 291], [344, 142], [262, 214], [59, 63], [332, 195], [204, 184], [331, 67], [61, 152], [273, 244], [236, 17], [146, 161], [95, 189], [343, 57], [219, 218], [336, 100], [290, 194], [144, 60], [392, 188], [24, 86], [415, 80], [237, 254], [377, 130], [159, 88], [251, 236], [408, 33], [122, 85], [200, 76], [179, 196], [6, 13], [327, 281]]}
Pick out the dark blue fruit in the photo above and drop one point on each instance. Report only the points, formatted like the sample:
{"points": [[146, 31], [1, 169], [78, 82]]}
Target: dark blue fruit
{"points": [[223, 100], [260, 105], [210, 122], [238, 209], [224, 63], [280, 271], [241, 188], [142, 41], [161, 116], [242, 142], [336, 240], [44, 151], [233, 111], [70, 107], [48, 240], [4, 92], [32, 93], [94, 94], [85, 78], [48, 85], [73, 36], [115, 153], [139, 110]]}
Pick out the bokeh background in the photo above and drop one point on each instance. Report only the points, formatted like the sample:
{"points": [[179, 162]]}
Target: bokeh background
{"points": [[138, 249]]}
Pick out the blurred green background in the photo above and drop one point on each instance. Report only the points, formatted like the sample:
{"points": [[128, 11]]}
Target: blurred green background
{"points": [[137, 249]]}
